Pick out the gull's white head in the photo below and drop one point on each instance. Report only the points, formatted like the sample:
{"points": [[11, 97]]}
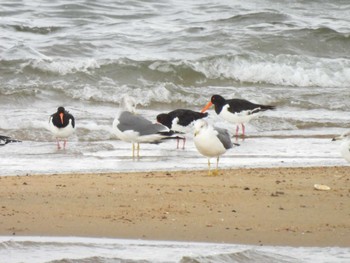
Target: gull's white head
{"points": [[128, 103], [344, 136], [199, 125]]}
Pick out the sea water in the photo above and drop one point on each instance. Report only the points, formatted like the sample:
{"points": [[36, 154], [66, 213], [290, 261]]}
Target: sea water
{"points": [[103, 250]]}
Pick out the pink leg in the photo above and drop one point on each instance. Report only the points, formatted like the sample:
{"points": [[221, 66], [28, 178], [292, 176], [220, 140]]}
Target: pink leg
{"points": [[177, 145], [237, 130], [58, 144], [184, 141], [64, 144], [243, 130]]}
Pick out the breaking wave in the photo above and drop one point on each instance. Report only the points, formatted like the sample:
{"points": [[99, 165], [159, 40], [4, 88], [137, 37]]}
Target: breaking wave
{"points": [[280, 70]]}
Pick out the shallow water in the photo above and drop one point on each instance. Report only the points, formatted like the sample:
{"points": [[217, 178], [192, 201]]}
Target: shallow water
{"points": [[73, 249]]}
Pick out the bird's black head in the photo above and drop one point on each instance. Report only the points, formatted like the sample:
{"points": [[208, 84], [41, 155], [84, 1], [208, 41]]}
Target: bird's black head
{"points": [[164, 119], [61, 109], [217, 100]]}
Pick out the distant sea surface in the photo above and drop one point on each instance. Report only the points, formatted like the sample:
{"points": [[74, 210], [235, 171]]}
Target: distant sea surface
{"points": [[86, 55]]}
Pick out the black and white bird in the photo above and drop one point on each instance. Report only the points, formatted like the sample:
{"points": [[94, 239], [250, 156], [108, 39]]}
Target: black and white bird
{"points": [[62, 125], [211, 142], [5, 140], [237, 111], [345, 145], [180, 120], [132, 127]]}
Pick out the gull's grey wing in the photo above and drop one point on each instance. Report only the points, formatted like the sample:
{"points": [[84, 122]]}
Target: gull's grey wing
{"points": [[224, 137], [131, 121]]}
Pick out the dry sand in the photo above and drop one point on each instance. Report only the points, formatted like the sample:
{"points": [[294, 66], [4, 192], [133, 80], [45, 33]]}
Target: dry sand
{"points": [[277, 206]]}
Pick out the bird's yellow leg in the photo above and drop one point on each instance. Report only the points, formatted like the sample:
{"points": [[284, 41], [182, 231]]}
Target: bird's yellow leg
{"points": [[138, 150], [209, 172], [216, 172], [133, 150]]}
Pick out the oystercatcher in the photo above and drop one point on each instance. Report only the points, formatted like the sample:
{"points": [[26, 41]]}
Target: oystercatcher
{"points": [[180, 120], [62, 125], [237, 111]]}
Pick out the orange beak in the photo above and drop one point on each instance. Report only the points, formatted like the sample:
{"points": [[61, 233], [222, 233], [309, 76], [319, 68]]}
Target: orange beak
{"points": [[209, 104], [61, 116]]}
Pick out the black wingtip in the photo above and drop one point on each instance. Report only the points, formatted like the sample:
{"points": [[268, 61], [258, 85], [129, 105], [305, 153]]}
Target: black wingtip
{"points": [[269, 107], [7, 140]]}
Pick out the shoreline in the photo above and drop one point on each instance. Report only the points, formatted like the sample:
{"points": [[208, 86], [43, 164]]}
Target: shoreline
{"points": [[256, 206]]}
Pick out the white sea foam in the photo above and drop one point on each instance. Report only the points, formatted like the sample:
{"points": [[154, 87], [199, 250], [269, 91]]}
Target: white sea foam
{"points": [[285, 70], [65, 66], [47, 249]]}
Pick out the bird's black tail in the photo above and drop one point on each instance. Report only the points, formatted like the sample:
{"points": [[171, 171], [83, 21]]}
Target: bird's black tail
{"points": [[267, 107], [5, 140]]}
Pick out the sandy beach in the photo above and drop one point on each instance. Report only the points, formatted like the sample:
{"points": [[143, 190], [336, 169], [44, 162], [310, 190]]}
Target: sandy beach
{"points": [[267, 206]]}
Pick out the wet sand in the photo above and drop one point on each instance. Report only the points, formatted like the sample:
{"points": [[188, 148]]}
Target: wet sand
{"points": [[269, 206]]}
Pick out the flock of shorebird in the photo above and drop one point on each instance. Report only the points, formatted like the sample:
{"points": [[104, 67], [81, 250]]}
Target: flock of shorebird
{"points": [[209, 140]]}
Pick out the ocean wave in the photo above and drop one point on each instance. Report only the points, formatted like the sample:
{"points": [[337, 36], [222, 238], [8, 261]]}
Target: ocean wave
{"points": [[42, 30], [98, 260], [282, 70], [242, 257], [63, 66], [325, 33], [255, 17], [21, 53]]}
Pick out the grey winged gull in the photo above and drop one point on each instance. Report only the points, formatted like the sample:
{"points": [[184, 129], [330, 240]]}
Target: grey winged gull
{"points": [[211, 142]]}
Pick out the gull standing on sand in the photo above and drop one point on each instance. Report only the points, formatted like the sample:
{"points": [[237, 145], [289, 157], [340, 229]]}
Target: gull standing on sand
{"points": [[131, 127], [345, 145], [237, 111], [211, 142], [62, 125], [180, 120]]}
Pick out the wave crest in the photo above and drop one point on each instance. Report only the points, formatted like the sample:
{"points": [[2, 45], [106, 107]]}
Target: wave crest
{"points": [[283, 70], [246, 256]]}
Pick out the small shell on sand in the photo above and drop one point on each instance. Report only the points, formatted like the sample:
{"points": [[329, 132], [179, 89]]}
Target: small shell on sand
{"points": [[322, 187]]}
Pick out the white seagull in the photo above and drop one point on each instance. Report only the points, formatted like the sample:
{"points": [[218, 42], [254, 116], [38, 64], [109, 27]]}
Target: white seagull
{"points": [[211, 142], [134, 128], [62, 125], [236, 111], [345, 145]]}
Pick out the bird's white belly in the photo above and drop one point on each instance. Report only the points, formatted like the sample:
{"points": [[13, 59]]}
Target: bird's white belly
{"points": [[62, 132], [209, 147], [238, 117], [134, 136], [127, 136], [345, 150], [179, 128]]}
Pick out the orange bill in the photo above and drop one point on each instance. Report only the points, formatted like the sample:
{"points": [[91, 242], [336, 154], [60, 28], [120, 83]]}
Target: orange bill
{"points": [[209, 104], [61, 116]]}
